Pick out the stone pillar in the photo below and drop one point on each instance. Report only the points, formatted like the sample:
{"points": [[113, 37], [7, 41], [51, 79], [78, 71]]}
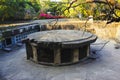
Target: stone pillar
{"points": [[34, 50], [28, 48], [90, 19], [57, 56], [88, 49], [75, 55]]}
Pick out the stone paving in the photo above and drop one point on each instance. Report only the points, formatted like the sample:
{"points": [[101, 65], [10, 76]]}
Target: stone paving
{"points": [[14, 66]]}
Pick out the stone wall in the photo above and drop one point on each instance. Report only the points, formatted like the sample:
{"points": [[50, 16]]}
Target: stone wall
{"points": [[109, 31]]}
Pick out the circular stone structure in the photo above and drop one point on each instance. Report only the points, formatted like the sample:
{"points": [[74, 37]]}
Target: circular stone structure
{"points": [[58, 47]]}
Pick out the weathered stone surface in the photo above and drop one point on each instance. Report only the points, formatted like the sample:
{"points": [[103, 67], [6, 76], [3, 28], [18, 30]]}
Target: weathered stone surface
{"points": [[62, 38], [60, 35], [59, 47]]}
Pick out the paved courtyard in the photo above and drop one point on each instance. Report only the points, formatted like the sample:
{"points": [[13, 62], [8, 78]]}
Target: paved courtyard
{"points": [[14, 66]]}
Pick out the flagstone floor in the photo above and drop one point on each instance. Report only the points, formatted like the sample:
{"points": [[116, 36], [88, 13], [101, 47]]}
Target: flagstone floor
{"points": [[14, 66]]}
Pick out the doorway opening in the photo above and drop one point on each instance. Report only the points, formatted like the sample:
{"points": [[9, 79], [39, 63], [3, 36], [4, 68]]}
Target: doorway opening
{"points": [[8, 41]]}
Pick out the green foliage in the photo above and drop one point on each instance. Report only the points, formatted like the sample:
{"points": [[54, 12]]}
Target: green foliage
{"points": [[97, 10], [16, 9], [118, 11], [9, 8], [58, 8], [55, 8], [35, 4]]}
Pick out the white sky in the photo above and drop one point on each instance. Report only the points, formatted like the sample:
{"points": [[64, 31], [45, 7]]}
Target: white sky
{"points": [[56, 0]]}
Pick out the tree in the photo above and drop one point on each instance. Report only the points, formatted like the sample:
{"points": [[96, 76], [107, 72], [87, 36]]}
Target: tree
{"points": [[8, 8], [35, 4], [113, 7], [16, 9]]}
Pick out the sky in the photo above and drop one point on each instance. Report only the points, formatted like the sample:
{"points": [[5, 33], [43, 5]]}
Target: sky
{"points": [[56, 0]]}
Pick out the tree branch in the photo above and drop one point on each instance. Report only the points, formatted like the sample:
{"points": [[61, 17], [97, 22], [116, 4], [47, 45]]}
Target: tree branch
{"points": [[71, 3], [111, 2]]}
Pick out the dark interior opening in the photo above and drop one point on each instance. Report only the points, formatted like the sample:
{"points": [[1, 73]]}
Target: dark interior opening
{"points": [[45, 55], [29, 51], [8, 41], [83, 52], [66, 55]]}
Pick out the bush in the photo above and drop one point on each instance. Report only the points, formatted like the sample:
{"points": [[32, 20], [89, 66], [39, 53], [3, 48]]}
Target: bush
{"points": [[48, 16]]}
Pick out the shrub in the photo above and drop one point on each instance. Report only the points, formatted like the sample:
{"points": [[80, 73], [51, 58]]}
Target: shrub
{"points": [[48, 16]]}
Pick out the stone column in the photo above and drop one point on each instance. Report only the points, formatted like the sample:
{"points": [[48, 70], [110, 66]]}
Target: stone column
{"points": [[88, 49], [57, 56], [28, 48], [75, 55], [34, 50]]}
